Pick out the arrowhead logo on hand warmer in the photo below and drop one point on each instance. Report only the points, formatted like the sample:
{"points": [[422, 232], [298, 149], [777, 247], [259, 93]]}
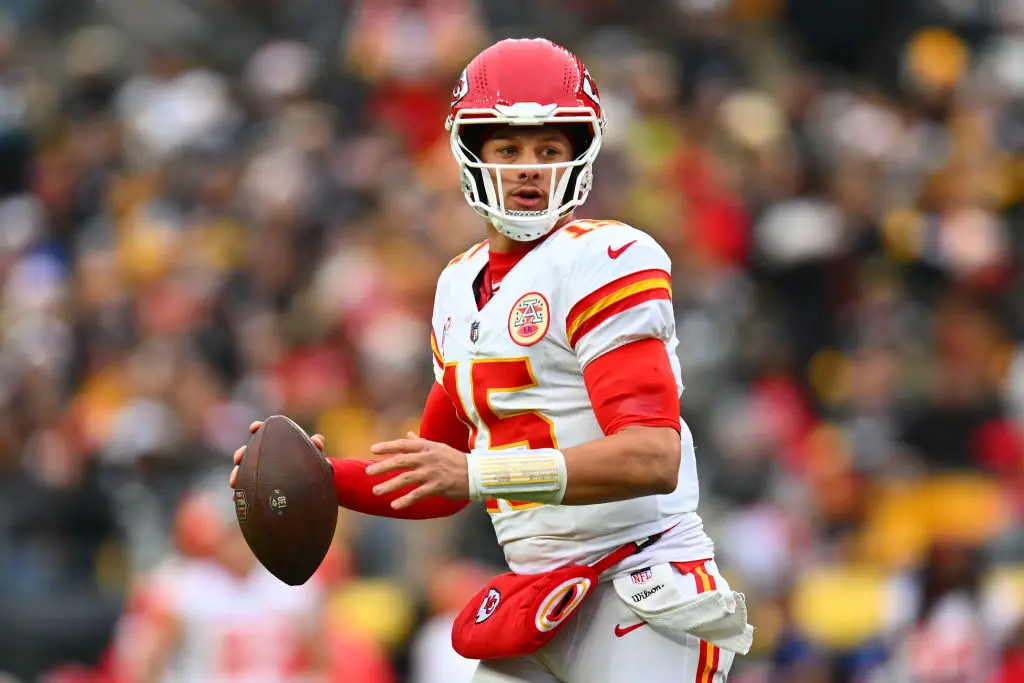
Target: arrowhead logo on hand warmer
{"points": [[488, 606]]}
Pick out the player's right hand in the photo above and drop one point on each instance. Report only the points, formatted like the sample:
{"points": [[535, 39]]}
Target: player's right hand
{"points": [[317, 439]]}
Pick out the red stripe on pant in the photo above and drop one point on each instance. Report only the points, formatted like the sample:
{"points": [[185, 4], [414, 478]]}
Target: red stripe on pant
{"points": [[707, 662]]}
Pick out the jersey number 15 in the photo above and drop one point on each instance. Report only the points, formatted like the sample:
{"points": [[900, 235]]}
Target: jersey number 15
{"points": [[510, 429]]}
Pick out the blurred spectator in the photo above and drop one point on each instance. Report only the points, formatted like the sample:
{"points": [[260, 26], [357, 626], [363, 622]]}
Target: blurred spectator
{"points": [[1011, 665], [212, 613], [946, 637], [434, 660]]}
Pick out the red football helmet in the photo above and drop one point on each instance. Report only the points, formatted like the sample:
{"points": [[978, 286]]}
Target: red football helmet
{"points": [[526, 83]]}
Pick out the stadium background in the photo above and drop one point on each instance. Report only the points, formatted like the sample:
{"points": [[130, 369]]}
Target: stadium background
{"points": [[216, 210]]}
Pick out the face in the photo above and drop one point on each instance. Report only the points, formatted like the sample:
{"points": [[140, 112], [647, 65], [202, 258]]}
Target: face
{"points": [[531, 147]]}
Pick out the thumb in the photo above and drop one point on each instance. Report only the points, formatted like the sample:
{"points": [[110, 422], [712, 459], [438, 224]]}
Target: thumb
{"points": [[412, 435]]}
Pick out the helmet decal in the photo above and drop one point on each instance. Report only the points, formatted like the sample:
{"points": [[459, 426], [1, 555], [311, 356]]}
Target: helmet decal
{"points": [[590, 88], [461, 89]]}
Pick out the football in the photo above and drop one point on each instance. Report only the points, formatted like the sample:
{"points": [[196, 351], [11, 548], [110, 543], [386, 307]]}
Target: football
{"points": [[285, 500]]}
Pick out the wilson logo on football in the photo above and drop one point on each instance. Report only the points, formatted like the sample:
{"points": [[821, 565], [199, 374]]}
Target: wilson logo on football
{"points": [[561, 602], [528, 322], [241, 505], [488, 606]]}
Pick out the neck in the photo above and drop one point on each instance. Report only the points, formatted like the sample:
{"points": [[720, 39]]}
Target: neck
{"points": [[236, 564], [499, 243], [504, 254]]}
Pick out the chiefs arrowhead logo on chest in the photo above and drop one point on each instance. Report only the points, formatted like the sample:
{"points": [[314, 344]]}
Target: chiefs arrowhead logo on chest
{"points": [[529, 319]]}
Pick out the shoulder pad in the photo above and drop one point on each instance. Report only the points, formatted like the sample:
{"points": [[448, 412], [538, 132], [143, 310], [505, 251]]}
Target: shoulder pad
{"points": [[592, 236], [468, 254]]}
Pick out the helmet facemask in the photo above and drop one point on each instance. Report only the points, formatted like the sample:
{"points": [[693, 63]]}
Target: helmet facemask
{"points": [[482, 183]]}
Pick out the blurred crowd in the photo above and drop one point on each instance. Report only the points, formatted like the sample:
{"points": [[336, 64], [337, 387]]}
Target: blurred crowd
{"points": [[212, 211]]}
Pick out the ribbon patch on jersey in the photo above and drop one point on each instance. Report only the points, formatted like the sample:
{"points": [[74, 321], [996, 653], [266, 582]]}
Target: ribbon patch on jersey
{"points": [[529, 320], [518, 614]]}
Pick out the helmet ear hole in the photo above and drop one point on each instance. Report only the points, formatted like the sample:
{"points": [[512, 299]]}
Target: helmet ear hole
{"points": [[571, 192]]}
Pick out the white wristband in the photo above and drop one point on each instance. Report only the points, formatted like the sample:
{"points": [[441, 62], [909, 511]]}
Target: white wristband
{"points": [[534, 476]]}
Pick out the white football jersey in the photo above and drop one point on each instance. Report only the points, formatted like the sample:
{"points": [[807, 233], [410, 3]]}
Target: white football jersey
{"points": [[236, 630], [515, 373]]}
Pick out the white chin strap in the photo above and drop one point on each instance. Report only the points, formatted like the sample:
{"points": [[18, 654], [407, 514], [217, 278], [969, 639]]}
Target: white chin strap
{"points": [[525, 228]]}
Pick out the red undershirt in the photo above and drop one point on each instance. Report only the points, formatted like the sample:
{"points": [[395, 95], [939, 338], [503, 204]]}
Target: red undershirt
{"points": [[630, 386]]}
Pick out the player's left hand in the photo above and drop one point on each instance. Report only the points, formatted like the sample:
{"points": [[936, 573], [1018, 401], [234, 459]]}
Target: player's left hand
{"points": [[437, 469]]}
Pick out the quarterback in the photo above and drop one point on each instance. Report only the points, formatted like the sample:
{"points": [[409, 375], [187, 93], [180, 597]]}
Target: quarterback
{"points": [[556, 405]]}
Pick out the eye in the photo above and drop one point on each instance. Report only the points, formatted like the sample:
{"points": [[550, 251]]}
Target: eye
{"points": [[506, 150]]}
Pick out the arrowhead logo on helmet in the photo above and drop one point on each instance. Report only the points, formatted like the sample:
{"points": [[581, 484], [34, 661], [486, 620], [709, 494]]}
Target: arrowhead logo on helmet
{"points": [[461, 89], [526, 82], [590, 88]]}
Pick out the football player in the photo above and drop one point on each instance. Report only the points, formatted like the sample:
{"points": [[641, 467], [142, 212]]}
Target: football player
{"points": [[556, 404], [211, 613]]}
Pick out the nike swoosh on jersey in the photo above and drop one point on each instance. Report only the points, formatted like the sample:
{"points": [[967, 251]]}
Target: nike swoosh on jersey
{"points": [[621, 631], [616, 253]]}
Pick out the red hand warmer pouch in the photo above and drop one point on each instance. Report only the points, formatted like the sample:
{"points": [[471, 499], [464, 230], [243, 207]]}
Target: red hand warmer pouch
{"points": [[517, 614]]}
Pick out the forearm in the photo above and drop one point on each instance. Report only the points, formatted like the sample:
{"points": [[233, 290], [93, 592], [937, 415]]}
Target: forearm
{"points": [[355, 487], [148, 659], [635, 462], [355, 492]]}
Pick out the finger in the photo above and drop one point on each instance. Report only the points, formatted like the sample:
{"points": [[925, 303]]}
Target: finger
{"points": [[319, 441], [400, 446], [254, 426], [403, 461], [237, 457], [234, 476], [412, 435], [396, 483], [414, 496]]}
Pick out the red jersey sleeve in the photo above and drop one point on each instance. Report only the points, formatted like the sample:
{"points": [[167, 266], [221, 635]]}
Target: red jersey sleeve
{"points": [[633, 385]]}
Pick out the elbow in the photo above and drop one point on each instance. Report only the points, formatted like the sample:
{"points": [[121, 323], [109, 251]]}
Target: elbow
{"points": [[646, 462], [668, 472], [665, 454]]}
